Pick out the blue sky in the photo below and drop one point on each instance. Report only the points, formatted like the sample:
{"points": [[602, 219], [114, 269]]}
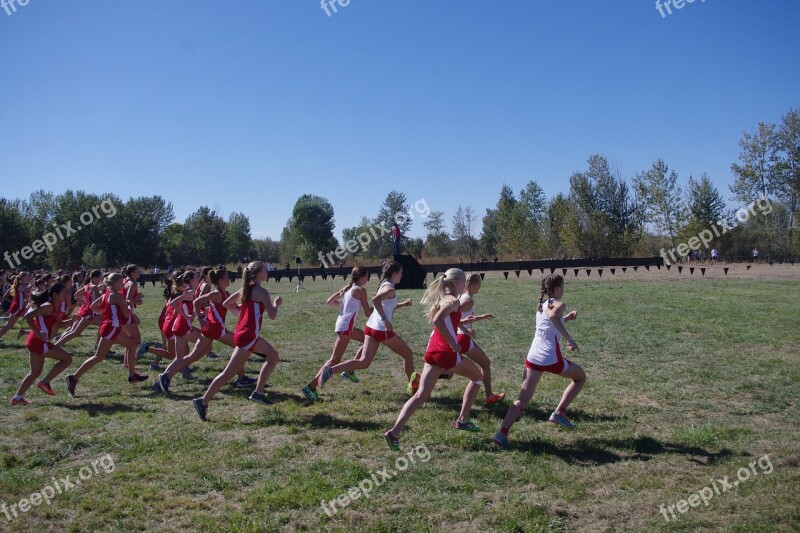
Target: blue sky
{"points": [[246, 105]]}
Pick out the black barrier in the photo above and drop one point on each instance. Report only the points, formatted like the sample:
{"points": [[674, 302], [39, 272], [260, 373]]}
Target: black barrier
{"points": [[414, 273]]}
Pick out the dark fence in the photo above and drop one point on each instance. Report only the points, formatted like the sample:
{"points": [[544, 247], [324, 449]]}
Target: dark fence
{"points": [[415, 273]]}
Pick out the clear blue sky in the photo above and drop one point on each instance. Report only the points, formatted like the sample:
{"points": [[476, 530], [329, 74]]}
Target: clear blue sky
{"points": [[245, 106]]}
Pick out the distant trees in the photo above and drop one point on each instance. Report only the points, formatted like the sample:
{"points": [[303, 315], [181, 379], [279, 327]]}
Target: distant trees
{"points": [[600, 215]]}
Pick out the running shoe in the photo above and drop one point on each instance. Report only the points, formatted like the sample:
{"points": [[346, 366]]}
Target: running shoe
{"points": [[20, 401], [46, 388], [141, 351], [311, 395], [351, 376], [495, 398], [201, 408], [413, 383], [561, 421], [137, 378], [501, 440], [163, 383], [71, 384], [245, 382], [392, 441], [260, 397], [187, 373], [327, 372], [469, 425]]}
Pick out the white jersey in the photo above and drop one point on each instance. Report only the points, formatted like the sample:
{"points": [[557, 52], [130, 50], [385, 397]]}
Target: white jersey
{"points": [[389, 305], [348, 313], [545, 349], [462, 329]]}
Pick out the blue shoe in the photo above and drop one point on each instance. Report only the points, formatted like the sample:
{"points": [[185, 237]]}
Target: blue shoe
{"points": [[327, 372], [201, 408], [311, 395], [187, 373], [501, 440], [163, 383], [561, 421], [141, 351], [245, 382], [155, 367], [260, 397]]}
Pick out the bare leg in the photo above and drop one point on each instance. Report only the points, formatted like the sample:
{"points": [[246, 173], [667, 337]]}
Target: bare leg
{"points": [[235, 364], [473, 373], [268, 352], [578, 377], [64, 360], [37, 364], [430, 374], [479, 356], [532, 378], [399, 346]]}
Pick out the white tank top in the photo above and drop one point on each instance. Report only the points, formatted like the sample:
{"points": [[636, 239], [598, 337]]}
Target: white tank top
{"points": [[375, 321], [545, 339], [462, 329], [349, 310]]}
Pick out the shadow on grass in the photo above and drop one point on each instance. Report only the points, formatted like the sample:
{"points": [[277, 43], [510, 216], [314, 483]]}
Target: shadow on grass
{"points": [[593, 452], [94, 409], [316, 421], [538, 413]]}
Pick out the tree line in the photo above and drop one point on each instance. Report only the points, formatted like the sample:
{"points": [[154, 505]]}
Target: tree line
{"points": [[602, 214]]}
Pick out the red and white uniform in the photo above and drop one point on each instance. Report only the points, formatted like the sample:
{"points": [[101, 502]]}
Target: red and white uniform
{"points": [[439, 352], [348, 313], [44, 324], [248, 326], [85, 310], [376, 327], [112, 317], [182, 326], [545, 353], [62, 311], [215, 319], [134, 297], [167, 320], [17, 304], [464, 340]]}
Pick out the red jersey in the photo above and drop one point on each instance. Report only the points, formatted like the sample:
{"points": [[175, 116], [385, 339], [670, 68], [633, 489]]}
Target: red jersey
{"points": [[44, 324], [135, 294], [112, 314], [437, 342], [248, 326], [18, 303]]}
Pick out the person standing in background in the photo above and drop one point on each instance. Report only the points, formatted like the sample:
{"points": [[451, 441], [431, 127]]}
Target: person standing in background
{"points": [[396, 237]]}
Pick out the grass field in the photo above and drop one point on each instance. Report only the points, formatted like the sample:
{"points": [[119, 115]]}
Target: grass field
{"points": [[689, 381]]}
